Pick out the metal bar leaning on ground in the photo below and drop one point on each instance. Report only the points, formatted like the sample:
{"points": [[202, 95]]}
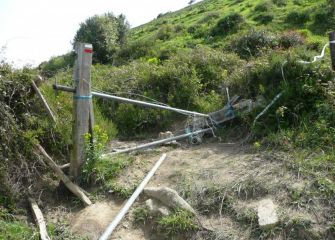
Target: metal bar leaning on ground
{"points": [[132, 101], [159, 142], [76, 190], [131, 200], [38, 216], [45, 103]]}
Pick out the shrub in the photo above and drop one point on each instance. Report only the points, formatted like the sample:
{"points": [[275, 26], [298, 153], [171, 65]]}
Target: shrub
{"points": [[290, 39], [280, 3], [228, 24], [264, 18], [263, 6], [324, 19], [164, 32], [55, 64], [209, 17], [133, 51], [297, 18], [253, 43], [133, 121]]}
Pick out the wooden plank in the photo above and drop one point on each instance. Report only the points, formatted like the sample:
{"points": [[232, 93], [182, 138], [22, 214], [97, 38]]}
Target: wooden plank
{"points": [[332, 48], [45, 103], [38, 216], [75, 189], [83, 108]]}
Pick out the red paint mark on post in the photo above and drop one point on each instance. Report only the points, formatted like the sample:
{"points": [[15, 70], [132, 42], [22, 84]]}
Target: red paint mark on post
{"points": [[88, 50]]}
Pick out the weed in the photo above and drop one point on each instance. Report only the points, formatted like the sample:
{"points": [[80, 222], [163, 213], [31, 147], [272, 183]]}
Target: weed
{"points": [[141, 215], [16, 231], [94, 149], [250, 188], [180, 222], [108, 169], [118, 190]]}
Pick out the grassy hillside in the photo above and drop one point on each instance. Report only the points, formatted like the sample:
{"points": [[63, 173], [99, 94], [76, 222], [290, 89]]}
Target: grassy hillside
{"points": [[200, 23]]}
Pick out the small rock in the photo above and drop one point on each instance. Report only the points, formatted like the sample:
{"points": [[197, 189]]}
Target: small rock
{"points": [[163, 135], [168, 197], [267, 215], [157, 208]]}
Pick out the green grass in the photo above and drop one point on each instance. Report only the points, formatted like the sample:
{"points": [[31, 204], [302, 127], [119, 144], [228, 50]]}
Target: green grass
{"points": [[15, 230], [196, 14], [180, 222]]}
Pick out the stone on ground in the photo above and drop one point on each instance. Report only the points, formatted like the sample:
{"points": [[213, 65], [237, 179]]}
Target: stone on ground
{"points": [[267, 215], [157, 208], [168, 197]]}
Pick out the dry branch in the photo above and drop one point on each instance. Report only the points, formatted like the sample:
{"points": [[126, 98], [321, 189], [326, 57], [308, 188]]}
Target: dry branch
{"points": [[38, 216], [76, 190]]}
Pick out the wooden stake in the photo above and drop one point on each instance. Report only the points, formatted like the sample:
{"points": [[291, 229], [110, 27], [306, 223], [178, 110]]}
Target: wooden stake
{"points": [[38, 216], [83, 108], [332, 48], [76, 190], [45, 103]]}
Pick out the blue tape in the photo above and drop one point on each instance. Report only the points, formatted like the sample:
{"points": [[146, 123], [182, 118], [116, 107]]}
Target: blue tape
{"points": [[82, 97]]}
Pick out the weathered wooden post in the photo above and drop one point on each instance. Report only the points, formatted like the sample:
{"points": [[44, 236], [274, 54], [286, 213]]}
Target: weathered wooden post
{"points": [[82, 106], [332, 48]]}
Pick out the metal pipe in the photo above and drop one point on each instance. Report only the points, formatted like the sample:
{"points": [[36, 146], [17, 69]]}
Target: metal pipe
{"points": [[159, 142], [63, 88], [131, 200], [132, 101]]}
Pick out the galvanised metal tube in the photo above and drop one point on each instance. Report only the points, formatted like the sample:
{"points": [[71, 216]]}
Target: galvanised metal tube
{"points": [[131, 200], [132, 101], [159, 142]]}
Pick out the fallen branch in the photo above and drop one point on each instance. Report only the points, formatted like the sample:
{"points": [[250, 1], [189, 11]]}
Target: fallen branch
{"points": [[38, 216], [76, 190]]}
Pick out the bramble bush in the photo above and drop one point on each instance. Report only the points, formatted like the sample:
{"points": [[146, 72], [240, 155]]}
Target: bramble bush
{"points": [[254, 43]]}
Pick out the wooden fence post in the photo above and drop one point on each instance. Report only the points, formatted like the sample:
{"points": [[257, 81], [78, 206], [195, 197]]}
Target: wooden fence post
{"points": [[332, 48], [82, 106]]}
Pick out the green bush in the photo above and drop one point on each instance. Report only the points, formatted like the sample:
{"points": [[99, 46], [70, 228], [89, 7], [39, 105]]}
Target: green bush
{"points": [[264, 6], [264, 18], [134, 50], [297, 17], [165, 32], [56, 64], [133, 121], [228, 24], [280, 3], [324, 19], [209, 17], [290, 39], [254, 43]]}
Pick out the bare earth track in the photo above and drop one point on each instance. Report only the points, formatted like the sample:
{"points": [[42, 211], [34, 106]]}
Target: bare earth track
{"points": [[246, 175]]}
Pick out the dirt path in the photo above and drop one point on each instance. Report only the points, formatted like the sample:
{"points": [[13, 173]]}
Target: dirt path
{"points": [[192, 170]]}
